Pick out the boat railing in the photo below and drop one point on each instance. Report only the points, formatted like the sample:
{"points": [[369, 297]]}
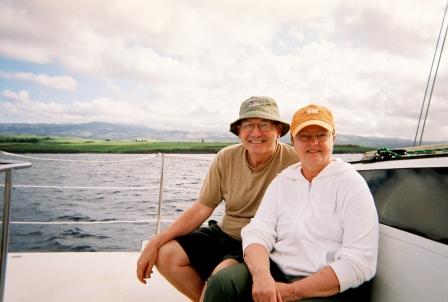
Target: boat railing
{"points": [[7, 167], [161, 188]]}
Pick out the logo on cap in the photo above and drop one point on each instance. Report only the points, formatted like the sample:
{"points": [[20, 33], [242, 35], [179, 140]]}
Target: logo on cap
{"points": [[312, 111], [256, 102]]}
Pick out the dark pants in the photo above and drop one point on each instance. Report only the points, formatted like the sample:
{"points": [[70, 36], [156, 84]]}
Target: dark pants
{"points": [[234, 284]]}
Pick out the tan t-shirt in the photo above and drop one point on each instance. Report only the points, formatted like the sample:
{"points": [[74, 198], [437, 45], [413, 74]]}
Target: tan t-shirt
{"points": [[230, 178]]}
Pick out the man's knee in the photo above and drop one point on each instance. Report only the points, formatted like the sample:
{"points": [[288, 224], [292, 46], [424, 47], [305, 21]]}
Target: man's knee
{"points": [[171, 254], [229, 284]]}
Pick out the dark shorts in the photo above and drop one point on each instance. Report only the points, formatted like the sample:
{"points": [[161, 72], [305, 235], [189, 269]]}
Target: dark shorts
{"points": [[206, 247]]}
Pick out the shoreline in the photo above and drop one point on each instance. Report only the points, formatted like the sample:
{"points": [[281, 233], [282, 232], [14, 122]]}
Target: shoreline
{"points": [[338, 149], [39, 144]]}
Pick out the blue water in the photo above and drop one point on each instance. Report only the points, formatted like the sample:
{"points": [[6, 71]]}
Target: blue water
{"points": [[76, 210]]}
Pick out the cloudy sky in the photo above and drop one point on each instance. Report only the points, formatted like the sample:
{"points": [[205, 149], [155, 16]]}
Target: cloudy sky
{"points": [[179, 64]]}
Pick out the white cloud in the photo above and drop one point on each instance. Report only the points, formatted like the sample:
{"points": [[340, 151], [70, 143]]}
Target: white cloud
{"points": [[58, 82], [21, 96], [175, 64], [24, 109]]}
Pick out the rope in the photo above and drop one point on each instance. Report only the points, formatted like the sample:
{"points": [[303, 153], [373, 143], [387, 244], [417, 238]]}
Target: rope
{"points": [[79, 160], [435, 75], [91, 222], [180, 156], [102, 188], [87, 222], [433, 78]]}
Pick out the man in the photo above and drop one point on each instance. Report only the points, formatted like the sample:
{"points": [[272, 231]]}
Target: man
{"points": [[315, 233], [239, 175]]}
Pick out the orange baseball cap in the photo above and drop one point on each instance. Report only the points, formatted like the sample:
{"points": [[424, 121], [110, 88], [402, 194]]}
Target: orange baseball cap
{"points": [[312, 115]]}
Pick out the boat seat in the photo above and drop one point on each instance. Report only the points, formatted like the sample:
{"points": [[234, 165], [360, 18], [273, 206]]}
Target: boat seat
{"points": [[412, 209]]}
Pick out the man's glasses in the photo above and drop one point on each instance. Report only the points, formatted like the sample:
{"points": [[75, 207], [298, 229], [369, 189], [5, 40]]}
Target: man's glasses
{"points": [[262, 126], [320, 137]]}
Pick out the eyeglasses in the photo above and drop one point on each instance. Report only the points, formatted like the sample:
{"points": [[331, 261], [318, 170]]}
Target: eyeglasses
{"points": [[262, 126], [320, 137]]}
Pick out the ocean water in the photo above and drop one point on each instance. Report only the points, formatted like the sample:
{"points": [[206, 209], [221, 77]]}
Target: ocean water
{"points": [[100, 202]]}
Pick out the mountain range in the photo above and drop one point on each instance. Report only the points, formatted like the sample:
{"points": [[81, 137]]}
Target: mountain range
{"points": [[101, 130]]}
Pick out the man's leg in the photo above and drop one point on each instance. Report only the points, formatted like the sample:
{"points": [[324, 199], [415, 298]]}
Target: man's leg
{"points": [[174, 265]]}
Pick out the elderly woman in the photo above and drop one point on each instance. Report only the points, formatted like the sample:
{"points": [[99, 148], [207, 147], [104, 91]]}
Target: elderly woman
{"points": [[315, 233]]}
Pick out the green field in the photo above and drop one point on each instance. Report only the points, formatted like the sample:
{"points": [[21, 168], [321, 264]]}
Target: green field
{"points": [[42, 144]]}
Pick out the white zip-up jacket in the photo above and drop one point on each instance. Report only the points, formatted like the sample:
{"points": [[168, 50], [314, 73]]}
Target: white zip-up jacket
{"points": [[331, 221]]}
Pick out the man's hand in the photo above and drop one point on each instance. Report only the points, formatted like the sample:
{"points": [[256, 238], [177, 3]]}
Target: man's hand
{"points": [[146, 261], [190, 219]]}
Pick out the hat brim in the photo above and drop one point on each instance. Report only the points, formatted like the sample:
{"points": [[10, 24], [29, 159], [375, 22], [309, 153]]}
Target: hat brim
{"points": [[312, 123], [234, 125]]}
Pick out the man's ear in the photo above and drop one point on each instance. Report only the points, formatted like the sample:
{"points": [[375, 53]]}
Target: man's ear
{"points": [[279, 130]]}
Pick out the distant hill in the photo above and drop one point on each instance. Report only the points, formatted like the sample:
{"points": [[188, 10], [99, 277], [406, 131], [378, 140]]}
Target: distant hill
{"points": [[99, 130], [376, 142]]}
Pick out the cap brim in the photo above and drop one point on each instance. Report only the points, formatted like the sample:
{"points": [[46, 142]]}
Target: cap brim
{"points": [[312, 123], [234, 125]]}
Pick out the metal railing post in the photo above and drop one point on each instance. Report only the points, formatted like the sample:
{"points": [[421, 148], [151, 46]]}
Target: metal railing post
{"points": [[159, 210], [5, 229]]}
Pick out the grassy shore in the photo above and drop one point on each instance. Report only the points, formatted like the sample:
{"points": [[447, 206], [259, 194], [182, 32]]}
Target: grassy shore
{"points": [[41, 144]]}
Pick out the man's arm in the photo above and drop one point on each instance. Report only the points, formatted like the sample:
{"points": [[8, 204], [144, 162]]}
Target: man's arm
{"points": [[192, 218]]}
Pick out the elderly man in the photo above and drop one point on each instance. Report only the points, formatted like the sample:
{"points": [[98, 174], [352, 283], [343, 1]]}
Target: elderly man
{"points": [[187, 254], [315, 233]]}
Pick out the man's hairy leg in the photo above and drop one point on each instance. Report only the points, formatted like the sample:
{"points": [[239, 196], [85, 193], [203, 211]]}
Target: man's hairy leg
{"points": [[174, 265]]}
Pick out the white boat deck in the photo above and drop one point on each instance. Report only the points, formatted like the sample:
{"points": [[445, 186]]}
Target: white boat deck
{"points": [[103, 276], [57, 277]]}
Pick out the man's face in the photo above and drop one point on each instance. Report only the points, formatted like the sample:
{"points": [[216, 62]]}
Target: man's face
{"points": [[259, 136], [314, 146]]}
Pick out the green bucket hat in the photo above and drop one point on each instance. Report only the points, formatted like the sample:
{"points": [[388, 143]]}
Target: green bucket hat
{"points": [[259, 107]]}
